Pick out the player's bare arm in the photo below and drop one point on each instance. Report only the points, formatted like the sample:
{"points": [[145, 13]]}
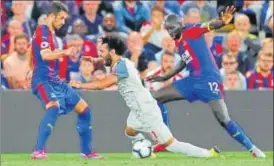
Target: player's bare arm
{"points": [[48, 55], [225, 19], [96, 85], [172, 73]]}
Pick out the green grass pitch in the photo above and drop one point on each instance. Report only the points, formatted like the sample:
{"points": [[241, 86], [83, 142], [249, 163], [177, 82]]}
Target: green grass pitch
{"points": [[124, 159]]}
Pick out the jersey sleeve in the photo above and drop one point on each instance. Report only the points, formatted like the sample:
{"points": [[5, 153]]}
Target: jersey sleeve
{"points": [[42, 38], [194, 31], [121, 70]]}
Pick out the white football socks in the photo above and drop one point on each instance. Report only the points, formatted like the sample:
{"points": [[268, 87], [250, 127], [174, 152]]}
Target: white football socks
{"points": [[188, 149]]}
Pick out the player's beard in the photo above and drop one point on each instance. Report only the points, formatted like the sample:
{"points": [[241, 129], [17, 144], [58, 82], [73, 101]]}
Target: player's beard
{"points": [[108, 60]]}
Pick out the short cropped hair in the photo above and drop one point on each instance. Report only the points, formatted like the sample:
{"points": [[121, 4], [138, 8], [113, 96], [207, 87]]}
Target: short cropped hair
{"points": [[267, 54], [167, 53], [229, 56], [115, 42], [158, 8], [86, 59], [21, 36], [56, 7]]}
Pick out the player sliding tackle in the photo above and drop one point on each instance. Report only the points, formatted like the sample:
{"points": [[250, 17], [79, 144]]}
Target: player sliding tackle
{"points": [[204, 82], [145, 115]]}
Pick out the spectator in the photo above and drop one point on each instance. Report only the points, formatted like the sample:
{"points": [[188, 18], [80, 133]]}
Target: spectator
{"points": [[91, 18], [267, 45], [167, 65], [170, 7], [100, 75], [168, 44], [130, 15], [192, 16], [249, 42], [229, 65], [153, 32], [104, 8], [233, 43], [137, 53], [19, 13], [109, 26], [252, 9], [208, 12], [74, 61], [84, 48], [242, 26], [232, 81], [79, 27], [7, 45], [86, 69], [262, 76], [16, 66]]}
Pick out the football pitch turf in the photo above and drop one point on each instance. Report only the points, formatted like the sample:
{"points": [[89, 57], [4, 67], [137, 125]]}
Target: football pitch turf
{"points": [[124, 159]]}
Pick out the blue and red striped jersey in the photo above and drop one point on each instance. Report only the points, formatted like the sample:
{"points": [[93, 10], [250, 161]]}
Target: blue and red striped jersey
{"points": [[255, 79], [43, 70], [194, 50]]}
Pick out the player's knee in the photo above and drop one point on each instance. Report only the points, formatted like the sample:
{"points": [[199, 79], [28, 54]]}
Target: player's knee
{"points": [[52, 104], [81, 106], [130, 132], [86, 114]]}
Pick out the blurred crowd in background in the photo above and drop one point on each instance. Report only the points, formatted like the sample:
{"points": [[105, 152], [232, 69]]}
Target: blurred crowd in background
{"points": [[243, 50]]}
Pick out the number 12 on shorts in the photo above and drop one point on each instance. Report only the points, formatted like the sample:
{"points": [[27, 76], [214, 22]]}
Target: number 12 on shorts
{"points": [[214, 87]]}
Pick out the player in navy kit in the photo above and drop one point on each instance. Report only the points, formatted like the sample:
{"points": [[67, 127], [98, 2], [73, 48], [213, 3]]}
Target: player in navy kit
{"points": [[56, 96], [204, 81]]}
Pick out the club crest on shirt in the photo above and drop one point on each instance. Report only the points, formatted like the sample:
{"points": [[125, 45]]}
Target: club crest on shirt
{"points": [[44, 45], [186, 57]]}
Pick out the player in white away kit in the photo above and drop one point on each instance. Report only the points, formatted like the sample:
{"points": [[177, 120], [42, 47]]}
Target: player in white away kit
{"points": [[145, 115]]}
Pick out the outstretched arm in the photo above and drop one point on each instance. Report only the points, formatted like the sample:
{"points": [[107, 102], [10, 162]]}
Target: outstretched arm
{"points": [[225, 19], [95, 85], [172, 73]]}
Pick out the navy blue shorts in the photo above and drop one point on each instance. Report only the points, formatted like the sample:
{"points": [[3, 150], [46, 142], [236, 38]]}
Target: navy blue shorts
{"points": [[66, 96], [200, 89]]}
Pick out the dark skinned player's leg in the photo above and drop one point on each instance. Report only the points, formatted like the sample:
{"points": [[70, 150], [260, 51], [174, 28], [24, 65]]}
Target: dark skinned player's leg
{"points": [[164, 95], [234, 130]]}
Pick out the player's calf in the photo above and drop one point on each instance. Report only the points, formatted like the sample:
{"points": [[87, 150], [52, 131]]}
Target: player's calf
{"points": [[47, 124], [84, 129]]}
